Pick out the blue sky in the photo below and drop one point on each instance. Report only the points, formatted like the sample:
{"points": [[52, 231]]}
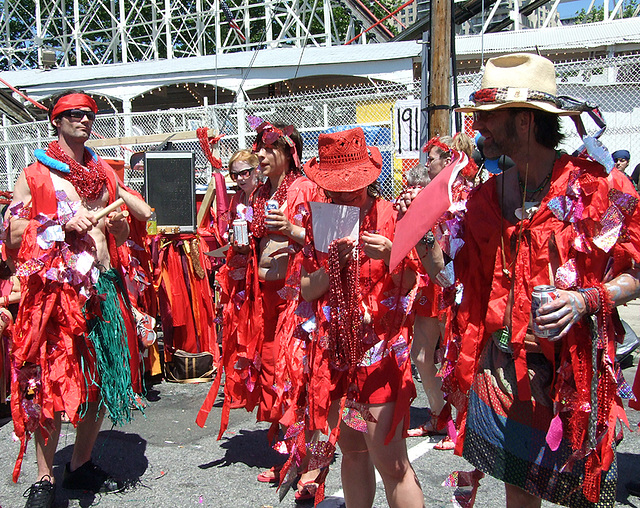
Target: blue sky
{"points": [[567, 9]]}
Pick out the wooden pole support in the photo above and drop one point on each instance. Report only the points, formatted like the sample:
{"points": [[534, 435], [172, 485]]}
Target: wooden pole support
{"points": [[110, 208]]}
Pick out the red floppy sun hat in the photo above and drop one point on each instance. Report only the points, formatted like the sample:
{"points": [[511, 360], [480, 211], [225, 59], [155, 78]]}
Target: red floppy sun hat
{"points": [[344, 162]]}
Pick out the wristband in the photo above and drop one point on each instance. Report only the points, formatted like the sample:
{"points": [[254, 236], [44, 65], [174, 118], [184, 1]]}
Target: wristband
{"points": [[592, 299]]}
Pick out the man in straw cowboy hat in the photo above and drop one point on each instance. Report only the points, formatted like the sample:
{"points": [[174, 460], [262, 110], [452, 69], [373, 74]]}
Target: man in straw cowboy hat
{"points": [[536, 390]]}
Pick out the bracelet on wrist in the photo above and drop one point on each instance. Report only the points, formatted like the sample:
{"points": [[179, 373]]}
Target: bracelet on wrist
{"points": [[428, 239], [592, 299]]}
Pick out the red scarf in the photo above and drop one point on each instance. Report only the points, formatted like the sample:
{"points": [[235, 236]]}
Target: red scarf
{"points": [[88, 180]]}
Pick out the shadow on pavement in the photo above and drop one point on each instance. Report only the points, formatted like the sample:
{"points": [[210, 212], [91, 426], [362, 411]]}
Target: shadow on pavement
{"points": [[249, 447], [627, 465], [120, 454]]}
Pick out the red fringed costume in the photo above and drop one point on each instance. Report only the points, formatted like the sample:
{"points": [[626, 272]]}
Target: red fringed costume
{"points": [[184, 295], [524, 416], [256, 324], [383, 373], [53, 363]]}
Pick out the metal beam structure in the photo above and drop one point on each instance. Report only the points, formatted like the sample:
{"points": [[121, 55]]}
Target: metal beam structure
{"points": [[98, 32]]}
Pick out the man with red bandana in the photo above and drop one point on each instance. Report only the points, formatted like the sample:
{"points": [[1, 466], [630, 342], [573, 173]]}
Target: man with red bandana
{"points": [[70, 344]]}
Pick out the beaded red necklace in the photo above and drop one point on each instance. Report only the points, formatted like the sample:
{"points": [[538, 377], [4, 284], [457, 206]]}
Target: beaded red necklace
{"points": [[346, 344], [88, 180], [261, 196]]}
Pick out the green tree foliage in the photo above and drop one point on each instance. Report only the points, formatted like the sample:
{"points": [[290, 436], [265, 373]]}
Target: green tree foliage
{"points": [[597, 13]]}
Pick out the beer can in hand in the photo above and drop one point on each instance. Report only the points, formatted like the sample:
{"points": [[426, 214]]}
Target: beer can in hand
{"points": [[240, 232], [540, 296], [270, 205]]}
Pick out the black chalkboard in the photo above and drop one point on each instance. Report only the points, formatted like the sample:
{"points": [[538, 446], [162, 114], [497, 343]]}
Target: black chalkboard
{"points": [[170, 188]]}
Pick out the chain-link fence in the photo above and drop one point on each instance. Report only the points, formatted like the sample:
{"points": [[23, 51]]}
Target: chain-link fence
{"points": [[612, 83]]}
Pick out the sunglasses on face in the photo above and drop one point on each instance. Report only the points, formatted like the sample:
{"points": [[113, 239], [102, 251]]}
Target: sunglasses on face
{"points": [[79, 114], [244, 173]]}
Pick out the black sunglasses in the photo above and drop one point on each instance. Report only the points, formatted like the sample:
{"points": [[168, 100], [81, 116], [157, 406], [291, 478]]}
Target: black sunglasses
{"points": [[79, 114], [244, 173]]}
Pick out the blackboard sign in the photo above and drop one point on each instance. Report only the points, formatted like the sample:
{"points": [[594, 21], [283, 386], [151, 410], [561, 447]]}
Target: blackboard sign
{"points": [[170, 188]]}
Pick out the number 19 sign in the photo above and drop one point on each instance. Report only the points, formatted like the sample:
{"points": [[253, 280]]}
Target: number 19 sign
{"points": [[406, 128]]}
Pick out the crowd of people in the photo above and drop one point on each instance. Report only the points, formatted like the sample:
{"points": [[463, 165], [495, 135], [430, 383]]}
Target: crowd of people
{"points": [[319, 327]]}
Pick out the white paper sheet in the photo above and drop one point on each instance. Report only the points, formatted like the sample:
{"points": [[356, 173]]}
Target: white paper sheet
{"points": [[331, 222]]}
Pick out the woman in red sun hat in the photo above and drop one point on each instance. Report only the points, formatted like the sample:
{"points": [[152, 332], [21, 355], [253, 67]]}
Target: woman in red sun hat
{"points": [[359, 382]]}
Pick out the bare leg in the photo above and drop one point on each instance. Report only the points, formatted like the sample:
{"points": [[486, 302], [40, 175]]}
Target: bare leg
{"points": [[309, 476], [392, 461], [426, 334], [86, 435], [357, 473], [518, 498], [46, 453]]}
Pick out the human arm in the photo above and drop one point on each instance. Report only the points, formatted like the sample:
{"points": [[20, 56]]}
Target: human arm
{"points": [[118, 226], [376, 246], [431, 256], [572, 306], [17, 225], [136, 206], [14, 296], [314, 285], [276, 220]]}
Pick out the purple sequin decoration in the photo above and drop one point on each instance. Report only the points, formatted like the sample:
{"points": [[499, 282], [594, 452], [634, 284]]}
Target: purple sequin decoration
{"points": [[625, 202], [566, 275], [353, 418], [322, 454], [561, 207], [401, 349], [29, 267], [611, 225]]}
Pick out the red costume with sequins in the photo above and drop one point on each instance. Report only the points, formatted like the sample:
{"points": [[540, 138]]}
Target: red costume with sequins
{"points": [[50, 328], [384, 373], [252, 327], [524, 415]]}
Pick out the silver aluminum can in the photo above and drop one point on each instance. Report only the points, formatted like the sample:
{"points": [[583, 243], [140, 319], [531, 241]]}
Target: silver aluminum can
{"points": [[269, 206], [540, 296], [272, 204], [240, 232]]}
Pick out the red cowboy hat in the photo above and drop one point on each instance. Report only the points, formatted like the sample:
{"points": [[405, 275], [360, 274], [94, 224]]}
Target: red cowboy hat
{"points": [[344, 162]]}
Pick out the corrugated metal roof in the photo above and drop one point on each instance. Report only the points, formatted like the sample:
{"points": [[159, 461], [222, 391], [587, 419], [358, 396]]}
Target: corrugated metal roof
{"points": [[228, 64], [233, 65], [586, 36]]}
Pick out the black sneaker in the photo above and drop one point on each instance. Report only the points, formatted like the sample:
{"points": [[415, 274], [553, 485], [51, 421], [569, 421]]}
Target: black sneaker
{"points": [[41, 494], [91, 478]]}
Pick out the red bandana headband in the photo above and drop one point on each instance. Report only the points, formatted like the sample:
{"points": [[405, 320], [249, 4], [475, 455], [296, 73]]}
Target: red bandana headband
{"points": [[271, 134], [73, 101], [435, 141]]}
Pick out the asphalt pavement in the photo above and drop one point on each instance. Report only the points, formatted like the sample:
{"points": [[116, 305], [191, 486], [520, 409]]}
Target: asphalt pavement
{"points": [[172, 462]]}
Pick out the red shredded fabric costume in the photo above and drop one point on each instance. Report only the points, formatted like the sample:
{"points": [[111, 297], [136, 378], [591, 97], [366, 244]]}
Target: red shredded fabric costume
{"points": [[585, 232], [53, 361], [252, 325], [384, 372]]}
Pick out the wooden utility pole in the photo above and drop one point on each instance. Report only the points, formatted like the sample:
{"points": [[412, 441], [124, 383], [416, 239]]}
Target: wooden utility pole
{"points": [[440, 69]]}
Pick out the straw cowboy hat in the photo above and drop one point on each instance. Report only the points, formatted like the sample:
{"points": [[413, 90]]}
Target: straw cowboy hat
{"points": [[344, 162], [519, 80]]}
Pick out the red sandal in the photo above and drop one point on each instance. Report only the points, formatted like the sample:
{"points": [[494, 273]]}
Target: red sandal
{"points": [[306, 491], [428, 428], [270, 475]]}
